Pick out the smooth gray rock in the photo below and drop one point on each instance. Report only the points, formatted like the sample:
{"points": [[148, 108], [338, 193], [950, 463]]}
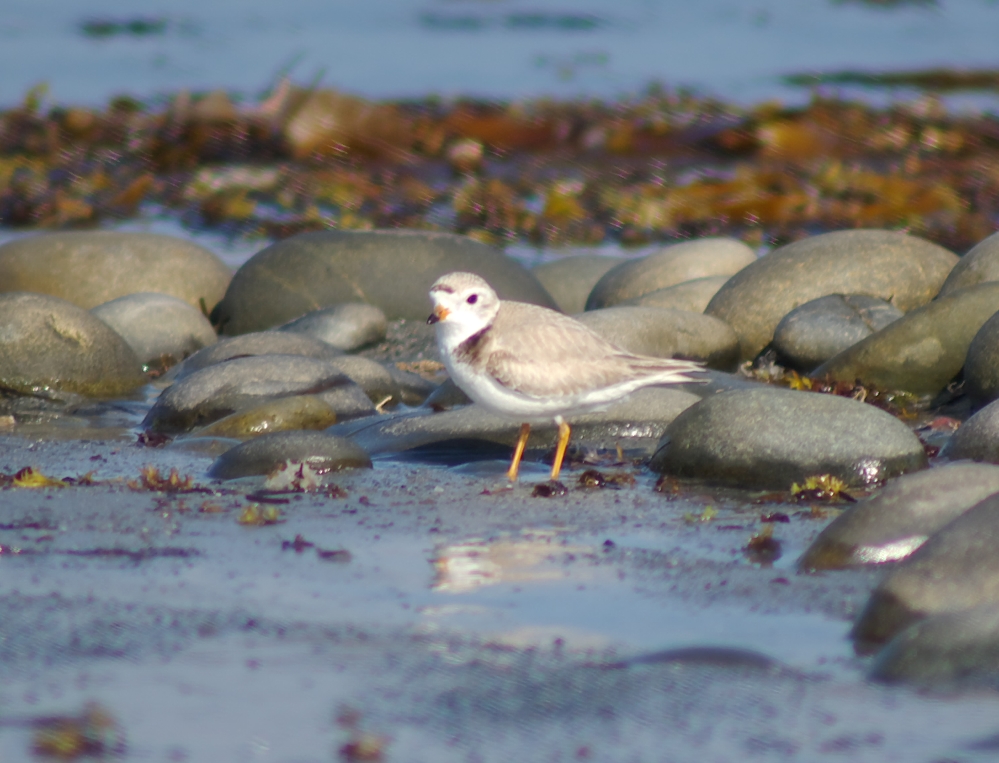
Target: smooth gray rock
{"points": [[219, 390], [694, 295], [50, 345], [262, 455], [571, 279], [283, 414], [981, 365], [948, 651], [906, 270], [977, 438], [635, 422], [664, 333], [818, 330], [980, 264], [257, 344], [161, 330], [386, 386], [898, 519], [922, 351], [670, 266], [770, 438], [348, 326], [89, 268], [447, 396], [392, 269], [956, 569]]}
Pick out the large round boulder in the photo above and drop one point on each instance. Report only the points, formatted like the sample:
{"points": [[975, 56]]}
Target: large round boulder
{"points": [[898, 519], [241, 383], [670, 266], [956, 569], [922, 351], [694, 295], [977, 438], [392, 269], [46, 344], [264, 454], [89, 268], [347, 326], [904, 269], [571, 279], [160, 329], [770, 438], [254, 345], [664, 333], [816, 331], [947, 651], [980, 264], [981, 366]]}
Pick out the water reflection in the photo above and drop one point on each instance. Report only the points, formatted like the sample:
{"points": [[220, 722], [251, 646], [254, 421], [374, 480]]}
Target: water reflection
{"points": [[531, 558]]}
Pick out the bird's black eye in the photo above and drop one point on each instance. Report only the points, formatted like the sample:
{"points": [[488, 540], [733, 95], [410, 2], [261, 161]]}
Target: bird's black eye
{"points": [[473, 299]]}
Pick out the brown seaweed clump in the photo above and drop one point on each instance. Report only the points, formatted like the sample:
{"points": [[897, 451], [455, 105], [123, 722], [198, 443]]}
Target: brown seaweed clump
{"points": [[665, 166]]}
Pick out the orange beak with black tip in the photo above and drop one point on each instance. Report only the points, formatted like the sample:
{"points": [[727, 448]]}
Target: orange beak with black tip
{"points": [[439, 314]]}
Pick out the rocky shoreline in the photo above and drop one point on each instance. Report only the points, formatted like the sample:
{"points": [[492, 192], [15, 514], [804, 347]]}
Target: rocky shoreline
{"points": [[176, 438]]}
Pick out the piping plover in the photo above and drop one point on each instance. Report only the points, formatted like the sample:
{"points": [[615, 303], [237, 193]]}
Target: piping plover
{"points": [[534, 364]]}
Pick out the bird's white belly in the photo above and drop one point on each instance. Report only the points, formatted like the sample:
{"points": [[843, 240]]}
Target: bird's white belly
{"points": [[490, 394]]}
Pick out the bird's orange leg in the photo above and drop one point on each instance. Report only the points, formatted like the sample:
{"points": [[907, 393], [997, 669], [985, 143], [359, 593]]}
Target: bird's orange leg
{"points": [[518, 452], [563, 443]]}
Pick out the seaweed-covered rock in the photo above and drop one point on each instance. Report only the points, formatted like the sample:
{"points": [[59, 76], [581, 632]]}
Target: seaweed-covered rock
{"points": [[898, 519], [670, 266], [391, 269], [160, 329], [770, 438], [89, 268], [904, 269], [50, 345]]}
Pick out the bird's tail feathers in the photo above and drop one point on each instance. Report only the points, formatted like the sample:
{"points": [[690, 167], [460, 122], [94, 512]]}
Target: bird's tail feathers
{"points": [[669, 370]]}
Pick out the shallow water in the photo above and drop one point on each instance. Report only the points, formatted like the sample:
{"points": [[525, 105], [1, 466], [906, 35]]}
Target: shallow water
{"points": [[464, 626], [491, 48]]}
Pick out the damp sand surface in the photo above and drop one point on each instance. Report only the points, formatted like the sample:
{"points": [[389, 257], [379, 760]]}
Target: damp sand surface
{"points": [[456, 618]]}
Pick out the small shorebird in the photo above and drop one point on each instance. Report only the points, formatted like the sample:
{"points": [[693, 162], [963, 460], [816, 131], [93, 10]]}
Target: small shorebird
{"points": [[534, 364]]}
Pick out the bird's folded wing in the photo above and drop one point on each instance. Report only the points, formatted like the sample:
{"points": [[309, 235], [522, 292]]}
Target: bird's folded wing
{"points": [[540, 353]]}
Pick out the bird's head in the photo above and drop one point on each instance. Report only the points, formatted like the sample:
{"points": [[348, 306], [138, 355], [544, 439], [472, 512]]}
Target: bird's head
{"points": [[464, 304]]}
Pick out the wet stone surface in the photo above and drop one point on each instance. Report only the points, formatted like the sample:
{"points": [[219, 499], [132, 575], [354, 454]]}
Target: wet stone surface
{"points": [[955, 570], [900, 517], [770, 438]]}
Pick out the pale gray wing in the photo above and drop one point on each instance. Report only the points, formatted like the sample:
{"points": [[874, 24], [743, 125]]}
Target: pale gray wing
{"points": [[541, 353]]}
